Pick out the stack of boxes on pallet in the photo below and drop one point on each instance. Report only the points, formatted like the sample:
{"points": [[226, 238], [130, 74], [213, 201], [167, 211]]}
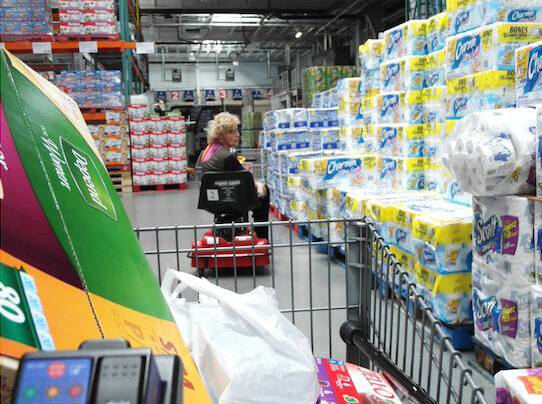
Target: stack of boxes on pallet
{"points": [[92, 19], [158, 147], [395, 158], [25, 20]]}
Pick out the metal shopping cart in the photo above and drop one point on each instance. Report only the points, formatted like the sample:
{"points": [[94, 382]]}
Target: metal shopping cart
{"points": [[328, 276]]}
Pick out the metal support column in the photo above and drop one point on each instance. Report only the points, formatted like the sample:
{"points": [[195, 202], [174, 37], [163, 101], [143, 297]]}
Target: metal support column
{"points": [[125, 54]]}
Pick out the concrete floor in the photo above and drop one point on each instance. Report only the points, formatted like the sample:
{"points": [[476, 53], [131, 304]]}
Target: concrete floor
{"points": [[306, 282]]}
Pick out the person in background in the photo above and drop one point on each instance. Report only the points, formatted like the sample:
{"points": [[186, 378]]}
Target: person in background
{"points": [[222, 135], [160, 107]]}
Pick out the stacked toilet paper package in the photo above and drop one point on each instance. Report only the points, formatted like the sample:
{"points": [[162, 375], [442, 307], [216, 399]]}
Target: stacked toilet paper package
{"points": [[437, 143]]}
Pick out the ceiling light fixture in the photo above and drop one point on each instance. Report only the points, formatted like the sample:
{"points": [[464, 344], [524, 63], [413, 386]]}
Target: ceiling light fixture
{"points": [[298, 34]]}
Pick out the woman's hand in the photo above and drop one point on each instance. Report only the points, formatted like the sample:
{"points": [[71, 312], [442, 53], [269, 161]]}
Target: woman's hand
{"points": [[260, 189], [248, 166]]}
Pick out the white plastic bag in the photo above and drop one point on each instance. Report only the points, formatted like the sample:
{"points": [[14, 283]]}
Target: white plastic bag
{"points": [[246, 351], [492, 153]]}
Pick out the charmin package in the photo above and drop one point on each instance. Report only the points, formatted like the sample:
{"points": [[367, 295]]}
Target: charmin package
{"points": [[529, 74], [519, 386], [325, 172], [370, 54], [409, 38], [464, 15], [343, 382], [511, 11], [491, 152], [408, 73], [490, 47]]}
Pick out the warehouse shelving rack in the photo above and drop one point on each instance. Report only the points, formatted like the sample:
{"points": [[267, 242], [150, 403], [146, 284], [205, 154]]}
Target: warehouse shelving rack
{"points": [[419, 9]]}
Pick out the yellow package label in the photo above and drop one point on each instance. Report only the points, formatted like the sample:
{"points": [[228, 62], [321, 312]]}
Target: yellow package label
{"points": [[369, 162], [415, 131], [518, 32], [493, 79], [522, 62], [443, 283], [450, 125], [406, 260], [417, 63], [417, 163], [460, 85], [437, 231], [418, 27], [454, 5]]}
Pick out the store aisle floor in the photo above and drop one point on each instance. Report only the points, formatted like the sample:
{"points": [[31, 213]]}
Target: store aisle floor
{"points": [[294, 268]]}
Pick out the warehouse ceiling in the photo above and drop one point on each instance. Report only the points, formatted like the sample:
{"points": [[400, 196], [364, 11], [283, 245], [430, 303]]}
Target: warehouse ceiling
{"points": [[252, 30]]}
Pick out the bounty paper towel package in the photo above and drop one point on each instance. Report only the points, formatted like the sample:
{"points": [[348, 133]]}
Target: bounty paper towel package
{"points": [[502, 320], [519, 386], [529, 74], [503, 237], [409, 38], [492, 152]]}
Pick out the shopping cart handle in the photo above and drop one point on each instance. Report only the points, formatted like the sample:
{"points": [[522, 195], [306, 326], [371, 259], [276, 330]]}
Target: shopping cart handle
{"points": [[348, 330]]}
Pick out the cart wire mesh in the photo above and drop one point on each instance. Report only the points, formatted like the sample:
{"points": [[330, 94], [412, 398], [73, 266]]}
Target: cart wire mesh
{"points": [[324, 273]]}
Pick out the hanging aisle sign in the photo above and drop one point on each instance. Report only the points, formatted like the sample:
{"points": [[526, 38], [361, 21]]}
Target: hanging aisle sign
{"points": [[257, 94], [210, 95], [188, 95], [160, 95], [237, 94], [174, 95]]}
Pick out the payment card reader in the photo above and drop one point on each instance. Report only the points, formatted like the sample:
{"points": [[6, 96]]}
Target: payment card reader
{"points": [[100, 372]]}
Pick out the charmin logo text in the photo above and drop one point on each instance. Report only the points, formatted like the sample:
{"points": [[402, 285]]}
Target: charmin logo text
{"points": [[522, 14], [535, 68], [466, 48]]}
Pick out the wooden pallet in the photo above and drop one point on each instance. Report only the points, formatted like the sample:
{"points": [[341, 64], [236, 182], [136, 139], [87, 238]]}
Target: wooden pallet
{"points": [[164, 187], [488, 359], [121, 179]]}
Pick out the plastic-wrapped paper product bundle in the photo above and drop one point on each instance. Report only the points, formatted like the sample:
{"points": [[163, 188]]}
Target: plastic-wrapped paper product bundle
{"points": [[503, 237], [490, 47], [409, 38], [370, 85], [436, 69], [390, 107], [437, 31], [511, 11], [501, 308], [496, 89], [369, 174], [352, 138], [369, 110], [539, 150], [324, 139], [464, 15], [370, 54], [538, 240], [491, 152], [460, 97], [348, 88], [536, 326], [443, 239], [414, 107], [529, 74], [331, 171], [349, 112], [25, 20], [400, 140], [519, 386], [407, 73], [390, 174], [434, 104]]}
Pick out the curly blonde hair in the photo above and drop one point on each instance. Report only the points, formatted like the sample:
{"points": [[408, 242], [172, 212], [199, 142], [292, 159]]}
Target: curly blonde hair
{"points": [[221, 124]]}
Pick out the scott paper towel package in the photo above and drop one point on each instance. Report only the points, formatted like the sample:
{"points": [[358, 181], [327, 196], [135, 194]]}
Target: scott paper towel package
{"points": [[460, 97], [370, 54], [369, 110], [464, 15], [491, 152], [502, 320], [409, 38], [490, 47], [519, 386], [400, 107], [408, 73], [536, 325], [370, 85], [529, 74], [496, 90], [503, 237], [400, 140], [434, 104]]}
